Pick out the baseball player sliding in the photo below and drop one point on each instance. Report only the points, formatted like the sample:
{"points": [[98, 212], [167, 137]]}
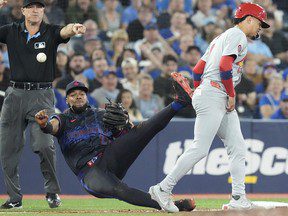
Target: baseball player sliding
{"points": [[215, 76]]}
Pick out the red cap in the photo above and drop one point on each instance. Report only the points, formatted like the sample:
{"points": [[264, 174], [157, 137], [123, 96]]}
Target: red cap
{"points": [[254, 10]]}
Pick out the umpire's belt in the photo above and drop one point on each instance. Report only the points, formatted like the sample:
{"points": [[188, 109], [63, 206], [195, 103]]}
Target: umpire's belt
{"points": [[31, 85]]}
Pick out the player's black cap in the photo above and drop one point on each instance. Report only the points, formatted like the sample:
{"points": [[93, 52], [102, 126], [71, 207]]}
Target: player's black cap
{"points": [[75, 85], [29, 2]]}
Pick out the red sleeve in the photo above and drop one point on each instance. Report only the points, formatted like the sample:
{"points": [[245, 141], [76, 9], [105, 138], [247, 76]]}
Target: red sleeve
{"points": [[226, 74], [198, 71]]}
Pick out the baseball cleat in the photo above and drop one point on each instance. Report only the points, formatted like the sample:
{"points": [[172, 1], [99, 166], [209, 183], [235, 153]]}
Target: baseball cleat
{"points": [[163, 198], [185, 204], [182, 89], [238, 203], [11, 205], [53, 200]]}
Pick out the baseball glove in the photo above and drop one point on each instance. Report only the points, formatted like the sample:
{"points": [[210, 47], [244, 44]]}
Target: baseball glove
{"points": [[115, 116]]}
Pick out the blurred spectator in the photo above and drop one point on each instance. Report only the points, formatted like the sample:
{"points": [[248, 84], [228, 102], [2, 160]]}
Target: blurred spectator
{"points": [[91, 44], [282, 112], [172, 33], [81, 11], [110, 17], [276, 41], [107, 90], [163, 84], [99, 65], [76, 67], [130, 81], [127, 53], [189, 59], [185, 42], [126, 98], [252, 71], [218, 4], [92, 29], [259, 51], [14, 13], [148, 103], [164, 18], [204, 13], [4, 80], [131, 13], [165, 5], [269, 103], [118, 41], [152, 38], [135, 28], [269, 70], [63, 4], [62, 66], [53, 13]]}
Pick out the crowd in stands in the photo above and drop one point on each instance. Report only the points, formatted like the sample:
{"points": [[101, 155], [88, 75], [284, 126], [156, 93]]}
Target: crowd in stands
{"points": [[131, 47]]}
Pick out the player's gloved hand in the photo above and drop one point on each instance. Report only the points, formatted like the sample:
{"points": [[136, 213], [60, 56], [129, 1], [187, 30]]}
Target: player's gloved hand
{"points": [[116, 116], [42, 118], [230, 104]]}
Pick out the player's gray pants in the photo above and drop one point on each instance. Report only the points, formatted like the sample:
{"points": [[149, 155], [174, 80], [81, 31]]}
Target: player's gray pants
{"points": [[212, 118], [18, 112]]}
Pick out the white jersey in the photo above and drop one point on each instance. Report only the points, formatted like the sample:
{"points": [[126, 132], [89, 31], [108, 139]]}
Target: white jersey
{"points": [[232, 42]]}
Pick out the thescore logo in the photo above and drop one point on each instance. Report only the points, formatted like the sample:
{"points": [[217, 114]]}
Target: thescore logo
{"points": [[271, 161]]}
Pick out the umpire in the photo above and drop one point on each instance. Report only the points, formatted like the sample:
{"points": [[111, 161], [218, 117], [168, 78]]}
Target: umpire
{"points": [[100, 145], [30, 90]]}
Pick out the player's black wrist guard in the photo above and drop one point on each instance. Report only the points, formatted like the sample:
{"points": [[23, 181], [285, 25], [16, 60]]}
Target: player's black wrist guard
{"points": [[48, 129]]}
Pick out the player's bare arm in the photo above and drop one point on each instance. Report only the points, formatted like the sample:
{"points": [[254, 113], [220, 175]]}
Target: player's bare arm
{"points": [[43, 120], [72, 29]]}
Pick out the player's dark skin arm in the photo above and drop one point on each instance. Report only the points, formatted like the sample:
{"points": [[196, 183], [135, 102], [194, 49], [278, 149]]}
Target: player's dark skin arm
{"points": [[42, 119]]}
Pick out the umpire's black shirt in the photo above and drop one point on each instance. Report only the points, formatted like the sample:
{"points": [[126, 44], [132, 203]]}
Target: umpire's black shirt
{"points": [[23, 49]]}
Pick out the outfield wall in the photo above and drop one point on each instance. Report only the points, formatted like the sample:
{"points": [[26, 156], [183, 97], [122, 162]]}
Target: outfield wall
{"points": [[267, 162]]}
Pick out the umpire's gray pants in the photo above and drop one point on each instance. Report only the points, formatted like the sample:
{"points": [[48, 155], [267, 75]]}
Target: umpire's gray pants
{"points": [[18, 112]]}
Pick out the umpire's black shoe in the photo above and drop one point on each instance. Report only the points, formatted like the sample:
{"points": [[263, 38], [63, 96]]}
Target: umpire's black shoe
{"points": [[53, 200], [185, 204], [11, 205], [183, 91]]}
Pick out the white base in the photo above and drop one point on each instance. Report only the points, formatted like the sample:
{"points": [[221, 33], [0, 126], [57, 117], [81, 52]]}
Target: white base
{"points": [[264, 204]]}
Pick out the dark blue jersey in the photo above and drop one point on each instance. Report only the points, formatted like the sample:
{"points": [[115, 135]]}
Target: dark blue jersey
{"points": [[82, 136]]}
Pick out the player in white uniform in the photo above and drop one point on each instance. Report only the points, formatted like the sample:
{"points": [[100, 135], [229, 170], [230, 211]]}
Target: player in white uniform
{"points": [[215, 76]]}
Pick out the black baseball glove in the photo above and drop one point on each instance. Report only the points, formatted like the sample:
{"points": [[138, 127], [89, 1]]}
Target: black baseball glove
{"points": [[115, 116]]}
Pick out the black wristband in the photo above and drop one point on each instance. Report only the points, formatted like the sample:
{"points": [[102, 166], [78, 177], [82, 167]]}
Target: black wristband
{"points": [[48, 129]]}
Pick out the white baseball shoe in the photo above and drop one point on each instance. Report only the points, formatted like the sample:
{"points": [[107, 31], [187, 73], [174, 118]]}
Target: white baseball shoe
{"points": [[238, 203], [163, 198]]}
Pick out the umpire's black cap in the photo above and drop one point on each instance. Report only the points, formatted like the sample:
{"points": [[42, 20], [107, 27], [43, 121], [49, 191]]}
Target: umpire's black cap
{"points": [[75, 85], [29, 2]]}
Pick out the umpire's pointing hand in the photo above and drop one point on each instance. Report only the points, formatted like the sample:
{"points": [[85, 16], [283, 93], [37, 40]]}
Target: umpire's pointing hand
{"points": [[78, 28], [41, 118]]}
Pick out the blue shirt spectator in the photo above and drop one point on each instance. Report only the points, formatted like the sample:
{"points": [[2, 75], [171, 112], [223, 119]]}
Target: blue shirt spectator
{"points": [[229, 3], [258, 47], [162, 6]]}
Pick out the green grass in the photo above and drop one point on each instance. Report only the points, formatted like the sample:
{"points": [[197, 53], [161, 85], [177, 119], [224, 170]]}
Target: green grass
{"points": [[101, 207]]}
